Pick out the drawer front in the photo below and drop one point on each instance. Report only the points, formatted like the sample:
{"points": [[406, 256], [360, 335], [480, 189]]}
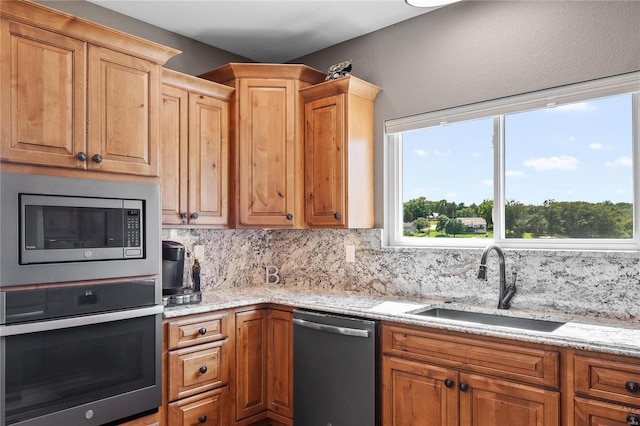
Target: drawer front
{"points": [[194, 331], [509, 361], [589, 412], [210, 408], [610, 379], [197, 369]]}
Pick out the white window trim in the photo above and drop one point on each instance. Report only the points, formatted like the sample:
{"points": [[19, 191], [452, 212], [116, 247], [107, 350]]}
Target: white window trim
{"points": [[393, 232]]}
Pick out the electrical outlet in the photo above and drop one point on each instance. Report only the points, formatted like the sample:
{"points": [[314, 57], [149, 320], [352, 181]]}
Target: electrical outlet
{"points": [[198, 251], [350, 251]]}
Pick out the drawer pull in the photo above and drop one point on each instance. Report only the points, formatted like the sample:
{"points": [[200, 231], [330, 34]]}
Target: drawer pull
{"points": [[202, 419], [449, 383], [632, 387], [632, 420], [202, 331], [203, 369], [464, 387]]}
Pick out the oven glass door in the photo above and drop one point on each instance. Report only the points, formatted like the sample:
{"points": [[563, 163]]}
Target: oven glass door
{"points": [[50, 371]]}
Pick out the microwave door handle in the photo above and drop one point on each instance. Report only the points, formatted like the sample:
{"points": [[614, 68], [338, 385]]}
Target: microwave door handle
{"points": [[57, 324]]}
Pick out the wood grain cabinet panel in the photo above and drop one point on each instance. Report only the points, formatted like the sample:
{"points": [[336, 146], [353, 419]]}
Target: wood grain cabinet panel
{"points": [[267, 176], [77, 95], [280, 363], [195, 151], [251, 371], [197, 369], [616, 380], [43, 89], [197, 330], [339, 153], [597, 413], [209, 408]]}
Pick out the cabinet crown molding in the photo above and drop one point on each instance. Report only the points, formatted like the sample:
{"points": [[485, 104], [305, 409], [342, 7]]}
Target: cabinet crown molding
{"points": [[63, 23], [233, 71], [349, 84], [196, 84]]}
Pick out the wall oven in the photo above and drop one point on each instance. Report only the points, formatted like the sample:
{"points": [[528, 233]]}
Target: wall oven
{"points": [[80, 354], [57, 229]]}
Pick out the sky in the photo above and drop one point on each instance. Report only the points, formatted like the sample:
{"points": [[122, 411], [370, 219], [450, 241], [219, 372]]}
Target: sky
{"points": [[576, 152]]}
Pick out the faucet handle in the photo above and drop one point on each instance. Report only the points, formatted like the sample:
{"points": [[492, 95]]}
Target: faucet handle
{"points": [[514, 276], [482, 272]]}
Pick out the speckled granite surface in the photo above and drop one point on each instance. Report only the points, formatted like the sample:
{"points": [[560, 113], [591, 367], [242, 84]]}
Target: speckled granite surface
{"points": [[587, 333], [597, 284]]}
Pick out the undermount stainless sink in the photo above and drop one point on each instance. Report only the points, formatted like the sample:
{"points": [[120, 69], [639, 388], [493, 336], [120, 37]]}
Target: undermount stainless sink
{"points": [[489, 319]]}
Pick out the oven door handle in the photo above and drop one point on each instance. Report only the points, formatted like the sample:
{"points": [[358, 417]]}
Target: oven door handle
{"points": [[57, 324]]}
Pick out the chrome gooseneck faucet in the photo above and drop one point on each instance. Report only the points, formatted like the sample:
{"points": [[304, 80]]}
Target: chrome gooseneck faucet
{"points": [[506, 291]]}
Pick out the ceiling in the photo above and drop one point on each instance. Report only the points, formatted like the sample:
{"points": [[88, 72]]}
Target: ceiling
{"points": [[264, 30]]}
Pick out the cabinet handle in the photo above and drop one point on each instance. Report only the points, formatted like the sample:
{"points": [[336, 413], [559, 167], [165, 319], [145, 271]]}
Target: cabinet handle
{"points": [[82, 156], [97, 158], [449, 383], [289, 216], [632, 420], [203, 369], [202, 419], [202, 331], [337, 215], [194, 215], [632, 387], [184, 215], [464, 387]]}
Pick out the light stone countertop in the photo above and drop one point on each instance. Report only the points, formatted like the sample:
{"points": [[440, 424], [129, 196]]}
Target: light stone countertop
{"points": [[586, 333]]}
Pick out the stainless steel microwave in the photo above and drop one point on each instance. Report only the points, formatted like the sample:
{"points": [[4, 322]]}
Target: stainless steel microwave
{"points": [[57, 229]]}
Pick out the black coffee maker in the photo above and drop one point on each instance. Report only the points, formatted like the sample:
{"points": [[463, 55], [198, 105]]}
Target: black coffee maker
{"points": [[172, 267]]}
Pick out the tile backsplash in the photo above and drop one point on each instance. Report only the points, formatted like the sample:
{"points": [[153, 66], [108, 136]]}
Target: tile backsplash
{"points": [[597, 283]]}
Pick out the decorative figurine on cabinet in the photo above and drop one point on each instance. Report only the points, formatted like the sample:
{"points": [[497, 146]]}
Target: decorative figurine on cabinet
{"points": [[336, 71]]}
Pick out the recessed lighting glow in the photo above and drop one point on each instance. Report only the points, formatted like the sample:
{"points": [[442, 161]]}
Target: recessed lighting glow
{"points": [[429, 3]]}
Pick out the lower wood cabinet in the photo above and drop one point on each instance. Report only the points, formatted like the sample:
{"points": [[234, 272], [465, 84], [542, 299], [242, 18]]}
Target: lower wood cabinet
{"points": [[431, 378], [209, 408]]}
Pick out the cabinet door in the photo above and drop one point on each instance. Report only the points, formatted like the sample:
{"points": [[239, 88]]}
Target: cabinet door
{"points": [[174, 142], [280, 363], [208, 159], [123, 93], [492, 402], [596, 413], [42, 86], [418, 394], [209, 408], [267, 150], [325, 162], [251, 373]]}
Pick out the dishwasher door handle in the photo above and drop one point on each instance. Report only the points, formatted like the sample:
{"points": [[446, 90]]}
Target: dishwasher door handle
{"points": [[355, 332]]}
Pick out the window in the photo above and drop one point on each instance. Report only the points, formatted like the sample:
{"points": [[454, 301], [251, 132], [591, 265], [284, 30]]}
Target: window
{"points": [[551, 169]]}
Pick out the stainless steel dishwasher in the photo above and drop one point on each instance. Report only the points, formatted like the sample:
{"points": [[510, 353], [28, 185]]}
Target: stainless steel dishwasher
{"points": [[335, 370]]}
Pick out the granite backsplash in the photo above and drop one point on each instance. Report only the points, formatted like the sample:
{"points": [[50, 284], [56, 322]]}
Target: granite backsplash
{"points": [[594, 283]]}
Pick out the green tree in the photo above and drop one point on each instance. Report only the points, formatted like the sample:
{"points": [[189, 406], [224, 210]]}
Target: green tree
{"points": [[454, 227], [415, 208], [422, 223], [467, 212], [442, 223], [485, 211]]}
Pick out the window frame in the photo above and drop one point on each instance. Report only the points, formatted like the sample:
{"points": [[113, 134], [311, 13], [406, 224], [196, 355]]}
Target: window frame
{"points": [[548, 98]]}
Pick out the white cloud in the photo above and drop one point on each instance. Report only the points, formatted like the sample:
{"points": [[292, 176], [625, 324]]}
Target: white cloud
{"points": [[450, 195], [564, 162], [476, 155], [438, 153], [514, 173], [420, 152], [417, 192], [596, 146], [488, 182], [620, 161]]}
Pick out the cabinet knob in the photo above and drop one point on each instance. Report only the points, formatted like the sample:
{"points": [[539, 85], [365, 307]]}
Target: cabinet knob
{"points": [[464, 387], [82, 156], [632, 387], [289, 216], [337, 215], [202, 331], [194, 215], [184, 215], [632, 420], [449, 383], [97, 158], [202, 419], [203, 369]]}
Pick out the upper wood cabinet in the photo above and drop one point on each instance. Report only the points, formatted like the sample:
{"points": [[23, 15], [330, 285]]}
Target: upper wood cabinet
{"points": [[267, 174], [195, 150], [339, 151], [77, 95]]}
